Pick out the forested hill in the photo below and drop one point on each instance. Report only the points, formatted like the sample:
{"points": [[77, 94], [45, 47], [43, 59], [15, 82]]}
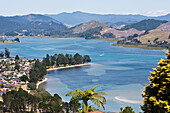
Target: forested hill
{"points": [[29, 24], [148, 24]]}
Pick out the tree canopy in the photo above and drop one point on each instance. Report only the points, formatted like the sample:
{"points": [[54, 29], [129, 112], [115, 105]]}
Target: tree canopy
{"points": [[157, 93]]}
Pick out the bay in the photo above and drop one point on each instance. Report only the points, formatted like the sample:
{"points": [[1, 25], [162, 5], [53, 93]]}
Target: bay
{"points": [[123, 72]]}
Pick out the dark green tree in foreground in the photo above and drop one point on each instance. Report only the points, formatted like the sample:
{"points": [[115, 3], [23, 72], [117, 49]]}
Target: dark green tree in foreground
{"points": [[127, 109], [85, 96], [157, 93]]}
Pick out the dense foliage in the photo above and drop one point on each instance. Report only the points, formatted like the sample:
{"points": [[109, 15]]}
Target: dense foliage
{"points": [[109, 35], [21, 101], [63, 60], [148, 24], [37, 72], [157, 93], [90, 33], [127, 109]]}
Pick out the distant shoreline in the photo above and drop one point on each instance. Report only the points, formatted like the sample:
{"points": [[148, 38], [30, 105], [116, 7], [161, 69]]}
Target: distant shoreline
{"points": [[140, 46], [109, 39], [9, 41]]}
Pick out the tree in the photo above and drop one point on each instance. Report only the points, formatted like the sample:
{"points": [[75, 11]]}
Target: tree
{"points": [[31, 85], [86, 59], [24, 78], [1, 54], [37, 72], [7, 53], [16, 57], [87, 95], [17, 65], [157, 93], [47, 60], [127, 109], [78, 58]]}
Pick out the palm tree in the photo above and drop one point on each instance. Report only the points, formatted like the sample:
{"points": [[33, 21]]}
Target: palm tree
{"points": [[85, 96]]}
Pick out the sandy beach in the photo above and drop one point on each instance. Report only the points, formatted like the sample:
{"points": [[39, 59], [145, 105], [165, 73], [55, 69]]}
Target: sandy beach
{"points": [[71, 66], [41, 82]]}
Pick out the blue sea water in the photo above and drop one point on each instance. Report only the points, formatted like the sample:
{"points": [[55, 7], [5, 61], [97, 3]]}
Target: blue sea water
{"points": [[123, 72]]}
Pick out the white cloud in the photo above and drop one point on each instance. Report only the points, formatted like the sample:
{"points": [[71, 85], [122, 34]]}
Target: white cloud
{"points": [[156, 13]]}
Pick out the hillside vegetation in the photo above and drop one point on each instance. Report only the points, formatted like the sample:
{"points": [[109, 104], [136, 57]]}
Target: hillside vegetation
{"points": [[29, 24], [145, 25]]}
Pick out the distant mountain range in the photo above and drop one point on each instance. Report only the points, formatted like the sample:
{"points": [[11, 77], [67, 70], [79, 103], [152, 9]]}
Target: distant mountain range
{"points": [[97, 26], [113, 20]]}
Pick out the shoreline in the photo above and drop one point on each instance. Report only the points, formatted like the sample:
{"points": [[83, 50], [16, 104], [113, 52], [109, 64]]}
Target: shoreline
{"points": [[141, 47], [109, 39], [58, 68], [67, 67], [45, 80]]}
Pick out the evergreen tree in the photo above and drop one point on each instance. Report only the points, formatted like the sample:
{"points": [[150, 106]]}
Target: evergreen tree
{"points": [[7, 53], [60, 59], [47, 60], [78, 58], [1, 54], [53, 60], [157, 93], [16, 57], [24, 78], [17, 65], [86, 59]]}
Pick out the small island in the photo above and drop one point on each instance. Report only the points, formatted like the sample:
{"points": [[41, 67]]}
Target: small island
{"points": [[4, 40]]}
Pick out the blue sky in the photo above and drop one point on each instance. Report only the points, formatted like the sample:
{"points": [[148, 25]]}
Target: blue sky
{"points": [[145, 7]]}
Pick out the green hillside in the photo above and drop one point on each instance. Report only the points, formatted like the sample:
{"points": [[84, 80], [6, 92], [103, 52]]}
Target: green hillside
{"points": [[146, 25]]}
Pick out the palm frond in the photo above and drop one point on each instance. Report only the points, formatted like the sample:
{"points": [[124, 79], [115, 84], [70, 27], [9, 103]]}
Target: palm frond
{"points": [[95, 87], [99, 97], [97, 102]]}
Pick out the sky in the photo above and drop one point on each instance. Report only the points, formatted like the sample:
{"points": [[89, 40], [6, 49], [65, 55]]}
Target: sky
{"points": [[143, 7]]}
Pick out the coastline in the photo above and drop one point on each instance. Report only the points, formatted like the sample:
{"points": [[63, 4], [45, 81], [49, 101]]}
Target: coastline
{"points": [[140, 46], [67, 67], [45, 80], [109, 39], [8, 42], [58, 68]]}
